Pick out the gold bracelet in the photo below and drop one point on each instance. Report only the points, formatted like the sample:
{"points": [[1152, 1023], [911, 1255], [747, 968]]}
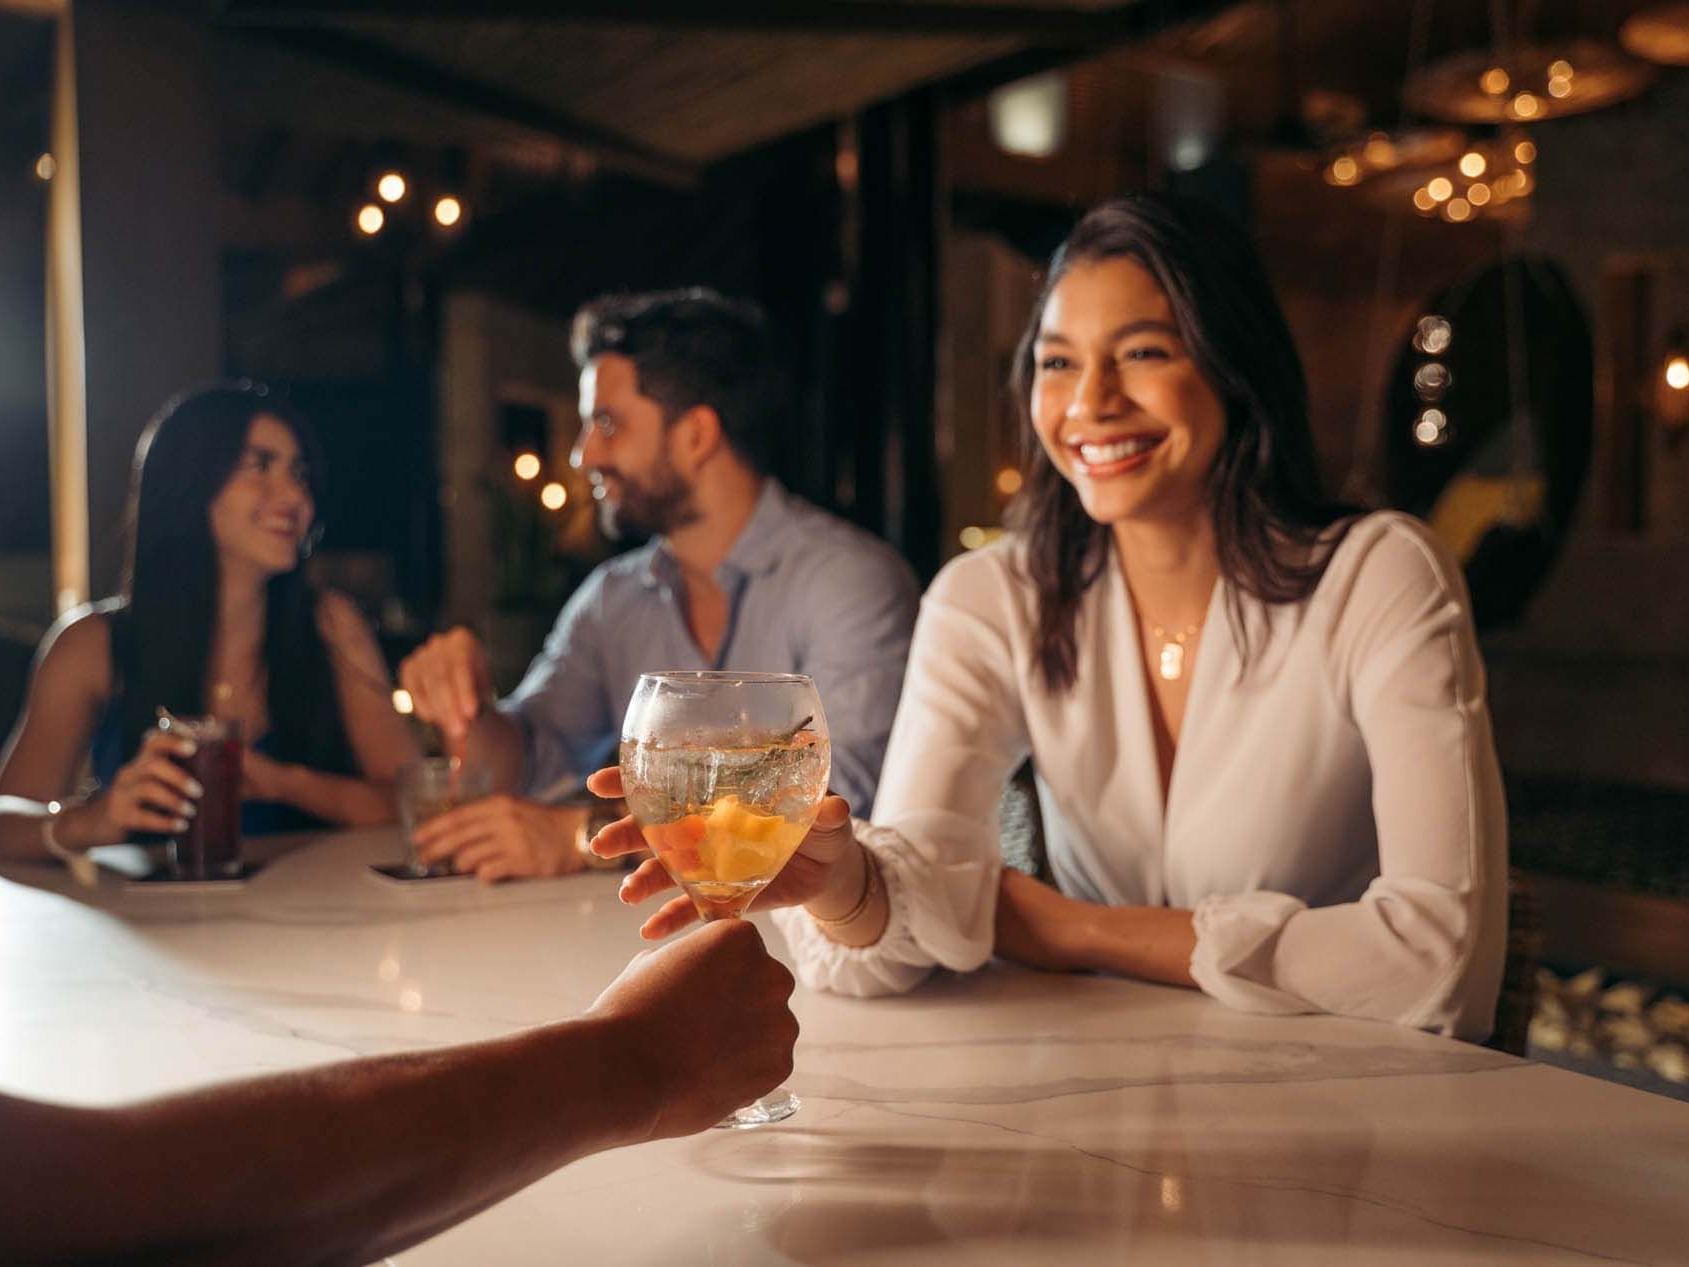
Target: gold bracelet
{"points": [[83, 869], [870, 886]]}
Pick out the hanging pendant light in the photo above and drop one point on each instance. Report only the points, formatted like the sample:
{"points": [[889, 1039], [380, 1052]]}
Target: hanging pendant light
{"points": [[1659, 34], [1533, 83]]}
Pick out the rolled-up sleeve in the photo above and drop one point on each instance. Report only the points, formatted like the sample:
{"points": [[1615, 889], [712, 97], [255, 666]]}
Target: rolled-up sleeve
{"points": [[959, 733], [561, 704], [1423, 945]]}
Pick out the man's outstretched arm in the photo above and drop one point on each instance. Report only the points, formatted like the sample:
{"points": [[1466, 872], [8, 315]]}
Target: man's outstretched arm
{"points": [[351, 1162]]}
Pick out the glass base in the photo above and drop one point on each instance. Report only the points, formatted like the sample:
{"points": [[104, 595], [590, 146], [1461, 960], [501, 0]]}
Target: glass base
{"points": [[778, 1105]]}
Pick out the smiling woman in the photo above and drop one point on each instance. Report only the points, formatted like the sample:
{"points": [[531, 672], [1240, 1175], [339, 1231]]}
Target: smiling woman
{"points": [[215, 618], [1257, 719]]}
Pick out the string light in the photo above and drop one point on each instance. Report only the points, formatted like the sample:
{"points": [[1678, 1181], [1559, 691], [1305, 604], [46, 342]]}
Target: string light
{"points": [[971, 537], [1495, 81], [1008, 481], [1478, 195], [447, 211], [1472, 164], [527, 466], [391, 187], [1344, 171], [1458, 209], [1525, 106], [1677, 373], [1525, 151], [370, 219], [553, 496], [45, 167], [1431, 427], [1441, 188]]}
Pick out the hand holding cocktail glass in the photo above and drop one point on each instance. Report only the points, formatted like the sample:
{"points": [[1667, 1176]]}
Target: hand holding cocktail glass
{"points": [[804, 878], [724, 773]]}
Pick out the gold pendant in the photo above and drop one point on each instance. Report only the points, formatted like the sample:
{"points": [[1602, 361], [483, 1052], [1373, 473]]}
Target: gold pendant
{"points": [[1172, 661]]}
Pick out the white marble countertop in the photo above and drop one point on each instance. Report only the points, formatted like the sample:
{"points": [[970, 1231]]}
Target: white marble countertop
{"points": [[1007, 1117]]}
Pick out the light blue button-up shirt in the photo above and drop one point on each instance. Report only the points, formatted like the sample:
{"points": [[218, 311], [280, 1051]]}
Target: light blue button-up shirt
{"points": [[807, 593]]}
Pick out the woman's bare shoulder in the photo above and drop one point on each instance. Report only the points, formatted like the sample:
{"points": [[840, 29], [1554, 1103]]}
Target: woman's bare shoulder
{"points": [[78, 646]]}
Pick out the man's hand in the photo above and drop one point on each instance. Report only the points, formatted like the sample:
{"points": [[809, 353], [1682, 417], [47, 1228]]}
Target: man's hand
{"points": [[448, 679], [1036, 925], [704, 1024], [802, 880], [498, 837]]}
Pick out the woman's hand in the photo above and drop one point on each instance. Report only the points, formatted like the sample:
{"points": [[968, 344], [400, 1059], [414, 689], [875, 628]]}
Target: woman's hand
{"points": [[1038, 926], [812, 872], [151, 793]]}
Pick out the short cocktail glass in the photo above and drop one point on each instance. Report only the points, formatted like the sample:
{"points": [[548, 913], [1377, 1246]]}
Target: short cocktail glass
{"points": [[724, 773], [431, 787]]}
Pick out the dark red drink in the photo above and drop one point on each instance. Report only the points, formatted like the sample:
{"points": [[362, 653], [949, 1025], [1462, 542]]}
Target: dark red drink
{"points": [[210, 848]]}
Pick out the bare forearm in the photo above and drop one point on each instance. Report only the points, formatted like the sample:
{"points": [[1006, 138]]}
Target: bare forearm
{"points": [[337, 798], [343, 1164], [1150, 943], [79, 827]]}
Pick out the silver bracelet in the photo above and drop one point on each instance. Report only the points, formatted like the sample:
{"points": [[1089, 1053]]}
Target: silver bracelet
{"points": [[83, 869]]}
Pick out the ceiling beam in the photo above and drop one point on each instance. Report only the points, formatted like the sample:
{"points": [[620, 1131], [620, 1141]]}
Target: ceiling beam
{"points": [[381, 63], [1033, 25], [33, 8]]}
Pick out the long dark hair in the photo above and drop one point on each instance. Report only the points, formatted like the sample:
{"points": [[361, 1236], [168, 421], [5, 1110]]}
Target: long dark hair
{"points": [[1269, 512], [161, 635]]}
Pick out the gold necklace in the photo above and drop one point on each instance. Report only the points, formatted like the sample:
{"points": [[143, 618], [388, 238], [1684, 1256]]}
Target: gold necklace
{"points": [[1170, 662]]}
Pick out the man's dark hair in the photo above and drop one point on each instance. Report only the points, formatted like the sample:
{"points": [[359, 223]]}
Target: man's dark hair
{"points": [[693, 347]]}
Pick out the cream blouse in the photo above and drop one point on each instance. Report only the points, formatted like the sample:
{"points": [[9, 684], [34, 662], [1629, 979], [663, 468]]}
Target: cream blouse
{"points": [[1334, 820]]}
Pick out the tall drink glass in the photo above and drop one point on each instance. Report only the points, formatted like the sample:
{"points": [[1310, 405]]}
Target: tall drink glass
{"points": [[724, 773], [210, 848]]}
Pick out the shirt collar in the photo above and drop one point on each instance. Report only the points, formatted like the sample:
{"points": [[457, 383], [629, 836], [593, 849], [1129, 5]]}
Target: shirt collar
{"points": [[757, 548]]}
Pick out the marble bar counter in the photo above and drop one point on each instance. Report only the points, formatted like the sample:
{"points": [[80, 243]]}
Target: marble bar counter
{"points": [[1008, 1117]]}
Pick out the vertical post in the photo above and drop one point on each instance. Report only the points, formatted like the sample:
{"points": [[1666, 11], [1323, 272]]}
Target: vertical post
{"points": [[67, 383]]}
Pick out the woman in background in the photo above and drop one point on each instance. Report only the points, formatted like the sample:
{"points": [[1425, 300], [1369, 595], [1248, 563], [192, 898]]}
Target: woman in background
{"points": [[215, 618], [1257, 718]]}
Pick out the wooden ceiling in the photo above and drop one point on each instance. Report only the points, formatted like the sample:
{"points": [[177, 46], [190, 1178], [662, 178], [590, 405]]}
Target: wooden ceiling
{"points": [[665, 87]]}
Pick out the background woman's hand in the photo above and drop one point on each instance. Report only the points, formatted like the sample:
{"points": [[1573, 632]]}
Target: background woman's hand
{"points": [[152, 792], [804, 878]]}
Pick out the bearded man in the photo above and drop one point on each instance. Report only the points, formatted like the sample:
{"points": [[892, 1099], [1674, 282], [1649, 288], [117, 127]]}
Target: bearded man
{"points": [[679, 402]]}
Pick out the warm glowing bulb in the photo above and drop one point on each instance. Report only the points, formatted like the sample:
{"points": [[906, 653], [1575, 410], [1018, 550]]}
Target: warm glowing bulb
{"points": [[1677, 373], [45, 166], [391, 187], [1560, 68], [1559, 86], [1423, 200], [402, 702], [1345, 171], [553, 495], [447, 211], [1008, 481], [1431, 427], [1441, 188], [1379, 152], [1526, 106], [972, 538], [1472, 164], [1458, 209], [527, 466], [1478, 195], [1494, 81], [1525, 151], [370, 219]]}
